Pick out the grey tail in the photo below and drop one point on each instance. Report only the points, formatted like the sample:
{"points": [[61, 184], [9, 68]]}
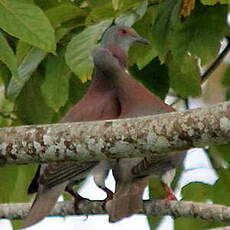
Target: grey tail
{"points": [[127, 200], [43, 204]]}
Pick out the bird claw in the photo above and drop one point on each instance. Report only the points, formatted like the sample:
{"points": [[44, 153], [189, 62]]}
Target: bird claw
{"points": [[109, 195], [77, 200]]}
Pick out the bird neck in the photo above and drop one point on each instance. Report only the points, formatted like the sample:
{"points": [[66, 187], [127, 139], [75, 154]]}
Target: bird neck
{"points": [[119, 52], [100, 82]]}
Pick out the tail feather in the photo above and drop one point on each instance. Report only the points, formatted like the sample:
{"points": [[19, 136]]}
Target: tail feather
{"points": [[127, 200], [43, 204]]}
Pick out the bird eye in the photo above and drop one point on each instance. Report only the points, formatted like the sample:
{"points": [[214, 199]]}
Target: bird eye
{"points": [[123, 31]]}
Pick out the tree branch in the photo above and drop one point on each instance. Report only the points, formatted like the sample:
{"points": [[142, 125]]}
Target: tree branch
{"points": [[116, 138], [204, 211]]}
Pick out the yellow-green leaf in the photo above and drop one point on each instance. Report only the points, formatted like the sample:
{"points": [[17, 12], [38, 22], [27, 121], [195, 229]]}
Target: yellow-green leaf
{"points": [[7, 55], [28, 23], [78, 53]]}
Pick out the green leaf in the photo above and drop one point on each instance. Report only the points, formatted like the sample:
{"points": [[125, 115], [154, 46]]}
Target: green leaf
{"points": [[78, 52], [201, 33], [219, 155], [218, 193], [149, 76], [28, 23], [155, 193], [96, 3], [6, 106], [49, 3], [55, 88], [63, 12], [163, 25], [116, 4], [184, 75], [22, 50], [100, 13], [14, 181], [7, 55], [31, 107], [29, 63], [131, 16]]}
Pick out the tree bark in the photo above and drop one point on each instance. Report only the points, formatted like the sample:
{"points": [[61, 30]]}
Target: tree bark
{"points": [[98, 140], [176, 209]]}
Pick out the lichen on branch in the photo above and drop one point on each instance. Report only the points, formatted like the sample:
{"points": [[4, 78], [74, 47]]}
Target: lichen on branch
{"points": [[84, 141]]}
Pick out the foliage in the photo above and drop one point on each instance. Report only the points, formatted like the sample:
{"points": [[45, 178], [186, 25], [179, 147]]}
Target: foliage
{"points": [[45, 61]]}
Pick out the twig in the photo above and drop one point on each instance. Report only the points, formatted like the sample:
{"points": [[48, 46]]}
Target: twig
{"points": [[216, 63]]}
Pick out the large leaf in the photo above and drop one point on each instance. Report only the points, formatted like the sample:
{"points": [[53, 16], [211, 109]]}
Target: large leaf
{"points": [[7, 55], [28, 23], [78, 53], [31, 107], [47, 4], [98, 14], [184, 75], [6, 106], [200, 33], [219, 155], [163, 25], [131, 16], [29, 59], [55, 88], [14, 180], [63, 12], [218, 193], [29, 63], [155, 193]]}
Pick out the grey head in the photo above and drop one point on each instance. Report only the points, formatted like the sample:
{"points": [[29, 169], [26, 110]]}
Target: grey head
{"points": [[122, 36]]}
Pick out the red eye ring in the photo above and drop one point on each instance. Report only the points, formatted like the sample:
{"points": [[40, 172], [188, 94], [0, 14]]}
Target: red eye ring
{"points": [[122, 32]]}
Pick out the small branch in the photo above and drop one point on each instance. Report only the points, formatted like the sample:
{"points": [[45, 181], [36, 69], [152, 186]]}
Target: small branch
{"points": [[211, 212], [98, 140], [216, 63]]}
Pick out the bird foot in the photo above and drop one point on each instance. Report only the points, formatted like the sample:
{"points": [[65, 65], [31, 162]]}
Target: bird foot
{"points": [[109, 195], [77, 198]]}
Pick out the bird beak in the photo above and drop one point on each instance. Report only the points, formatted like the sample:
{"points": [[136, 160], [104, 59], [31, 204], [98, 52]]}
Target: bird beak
{"points": [[140, 39]]}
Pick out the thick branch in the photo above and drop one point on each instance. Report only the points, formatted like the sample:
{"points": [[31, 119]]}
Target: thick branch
{"points": [[116, 138], [205, 211]]}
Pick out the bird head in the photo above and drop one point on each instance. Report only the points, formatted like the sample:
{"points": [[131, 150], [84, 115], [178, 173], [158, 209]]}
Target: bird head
{"points": [[122, 36]]}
